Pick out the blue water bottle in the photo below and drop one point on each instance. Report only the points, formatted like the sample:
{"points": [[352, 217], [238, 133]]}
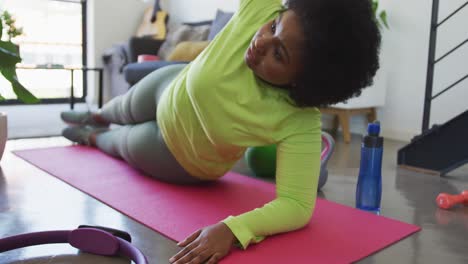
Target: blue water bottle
{"points": [[369, 186]]}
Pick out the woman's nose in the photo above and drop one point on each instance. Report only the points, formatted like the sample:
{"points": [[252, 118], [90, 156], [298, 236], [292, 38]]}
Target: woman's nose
{"points": [[261, 44]]}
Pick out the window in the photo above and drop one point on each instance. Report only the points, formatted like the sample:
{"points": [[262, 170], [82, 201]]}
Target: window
{"points": [[52, 39]]}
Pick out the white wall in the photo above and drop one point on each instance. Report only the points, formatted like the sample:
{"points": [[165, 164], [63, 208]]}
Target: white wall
{"points": [[190, 11], [111, 22], [406, 49]]}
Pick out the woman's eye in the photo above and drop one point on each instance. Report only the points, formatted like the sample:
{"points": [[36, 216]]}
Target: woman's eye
{"points": [[273, 27], [277, 55]]}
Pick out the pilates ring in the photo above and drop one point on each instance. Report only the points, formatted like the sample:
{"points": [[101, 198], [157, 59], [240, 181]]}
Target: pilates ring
{"points": [[96, 240], [328, 147]]}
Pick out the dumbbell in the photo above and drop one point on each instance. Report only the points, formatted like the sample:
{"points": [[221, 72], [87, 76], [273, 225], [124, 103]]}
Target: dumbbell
{"points": [[447, 201]]}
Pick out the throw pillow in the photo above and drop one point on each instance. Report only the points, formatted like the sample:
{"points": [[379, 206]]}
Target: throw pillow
{"points": [[147, 57], [222, 18], [180, 33], [187, 50]]}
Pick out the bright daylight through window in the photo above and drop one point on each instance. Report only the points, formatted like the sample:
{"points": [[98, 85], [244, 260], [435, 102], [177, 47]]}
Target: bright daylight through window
{"points": [[51, 39]]}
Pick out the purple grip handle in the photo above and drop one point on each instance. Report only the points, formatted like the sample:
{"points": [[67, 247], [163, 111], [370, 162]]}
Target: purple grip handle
{"points": [[100, 242], [94, 241]]}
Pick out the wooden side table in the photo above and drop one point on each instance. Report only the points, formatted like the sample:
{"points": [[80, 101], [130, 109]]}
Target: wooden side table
{"points": [[342, 117]]}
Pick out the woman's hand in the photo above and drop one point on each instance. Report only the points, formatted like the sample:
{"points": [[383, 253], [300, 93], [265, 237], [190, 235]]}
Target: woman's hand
{"points": [[208, 245]]}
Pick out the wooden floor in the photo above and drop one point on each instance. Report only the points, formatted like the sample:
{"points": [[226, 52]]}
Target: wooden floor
{"points": [[31, 200]]}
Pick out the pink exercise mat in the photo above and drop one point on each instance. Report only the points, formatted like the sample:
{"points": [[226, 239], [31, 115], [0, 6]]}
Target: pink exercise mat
{"points": [[336, 233]]}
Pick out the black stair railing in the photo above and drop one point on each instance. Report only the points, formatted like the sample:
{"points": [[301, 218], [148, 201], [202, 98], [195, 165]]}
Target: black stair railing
{"points": [[432, 61]]}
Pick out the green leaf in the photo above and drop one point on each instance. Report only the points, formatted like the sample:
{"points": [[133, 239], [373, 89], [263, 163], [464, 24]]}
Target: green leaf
{"points": [[379, 25], [375, 6], [383, 17], [7, 16], [8, 54], [10, 46], [1, 26], [9, 73], [8, 58], [21, 92]]}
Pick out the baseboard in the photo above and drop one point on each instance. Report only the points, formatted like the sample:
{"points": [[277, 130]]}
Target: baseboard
{"points": [[401, 135], [358, 125], [27, 121]]}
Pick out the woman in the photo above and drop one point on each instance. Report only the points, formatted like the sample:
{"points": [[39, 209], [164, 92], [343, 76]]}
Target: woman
{"points": [[259, 82]]}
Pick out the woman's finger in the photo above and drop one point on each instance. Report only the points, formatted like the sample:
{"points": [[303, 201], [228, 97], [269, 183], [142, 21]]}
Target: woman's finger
{"points": [[189, 239], [184, 251], [214, 259], [196, 256], [191, 255]]}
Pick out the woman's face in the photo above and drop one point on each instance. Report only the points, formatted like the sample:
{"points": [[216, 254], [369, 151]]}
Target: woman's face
{"points": [[274, 53]]}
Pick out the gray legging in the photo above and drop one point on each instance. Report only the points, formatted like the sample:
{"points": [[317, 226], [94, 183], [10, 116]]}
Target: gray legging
{"points": [[138, 140]]}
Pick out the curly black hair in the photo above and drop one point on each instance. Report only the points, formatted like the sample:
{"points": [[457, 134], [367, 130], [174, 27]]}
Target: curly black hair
{"points": [[341, 57]]}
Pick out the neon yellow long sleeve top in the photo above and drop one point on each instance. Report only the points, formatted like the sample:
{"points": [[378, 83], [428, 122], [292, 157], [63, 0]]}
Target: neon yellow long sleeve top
{"points": [[216, 108]]}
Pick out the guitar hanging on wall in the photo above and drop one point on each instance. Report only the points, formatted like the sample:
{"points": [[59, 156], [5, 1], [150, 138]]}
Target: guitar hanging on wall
{"points": [[154, 22], [159, 18]]}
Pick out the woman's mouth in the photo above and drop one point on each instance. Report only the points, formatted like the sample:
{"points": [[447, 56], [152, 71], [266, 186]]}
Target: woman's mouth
{"points": [[250, 56]]}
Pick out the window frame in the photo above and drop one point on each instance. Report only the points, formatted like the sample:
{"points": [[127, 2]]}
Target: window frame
{"points": [[84, 53]]}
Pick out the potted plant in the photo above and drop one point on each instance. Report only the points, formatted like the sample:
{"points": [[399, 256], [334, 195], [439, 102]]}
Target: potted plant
{"points": [[9, 57], [380, 15]]}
